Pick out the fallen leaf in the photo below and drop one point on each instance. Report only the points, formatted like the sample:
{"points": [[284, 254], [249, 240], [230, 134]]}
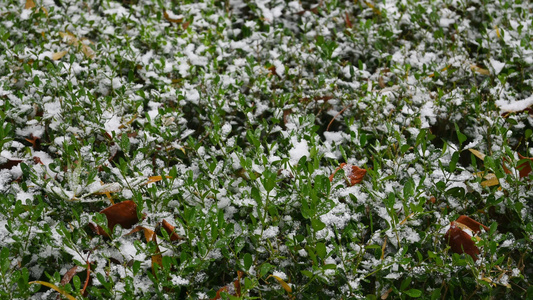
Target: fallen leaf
{"points": [[153, 179], [347, 19], [386, 294], [171, 19], [477, 154], [29, 4], [69, 37], [59, 55], [354, 174], [459, 236], [471, 223], [58, 289], [123, 213], [479, 70], [10, 164], [523, 169], [69, 274], [374, 9], [283, 284], [35, 142], [171, 231], [236, 284], [72, 40]]}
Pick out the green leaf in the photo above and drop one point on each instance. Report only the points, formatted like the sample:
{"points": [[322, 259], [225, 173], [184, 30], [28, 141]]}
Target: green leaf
{"points": [[317, 225], [247, 261], [265, 268], [413, 293], [321, 250], [462, 138]]}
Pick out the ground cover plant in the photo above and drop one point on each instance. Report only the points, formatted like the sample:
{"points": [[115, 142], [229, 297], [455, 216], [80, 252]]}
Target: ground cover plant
{"points": [[265, 149]]}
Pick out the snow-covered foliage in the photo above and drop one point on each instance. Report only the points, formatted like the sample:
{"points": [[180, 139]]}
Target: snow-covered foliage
{"points": [[227, 118]]}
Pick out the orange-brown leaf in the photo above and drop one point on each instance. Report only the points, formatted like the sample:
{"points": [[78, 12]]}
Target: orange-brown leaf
{"points": [[153, 179], [171, 20], [69, 274], [348, 22], [459, 240], [523, 169], [123, 213], [471, 223], [354, 174], [171, 231], [29, 4]]}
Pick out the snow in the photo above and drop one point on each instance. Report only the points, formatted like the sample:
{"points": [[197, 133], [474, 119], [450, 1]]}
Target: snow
{"points": [[211, 82], [515, 105], [299, 150]]}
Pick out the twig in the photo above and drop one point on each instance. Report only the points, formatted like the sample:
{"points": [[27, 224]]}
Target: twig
{"points": [[340, 112]]}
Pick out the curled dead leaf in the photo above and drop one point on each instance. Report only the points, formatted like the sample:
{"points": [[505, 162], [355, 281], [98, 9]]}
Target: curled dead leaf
{"points": [[234, 290], [523, 169], [10, 163], [29, 4], [479, 70], [283, 284], [459, 236], [354, 174], [171, 231], [171, 17]]}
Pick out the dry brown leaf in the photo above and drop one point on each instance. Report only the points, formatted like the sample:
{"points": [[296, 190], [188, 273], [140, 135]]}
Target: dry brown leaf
{"points": [[479, 70], [347, 20], [283, 284], [123, 213], [52, 286], [523, 169], [354, 174], [10, 164], [458, 238], [374, 8], [386, 294], [477, 154], [171, 20], [236, 283], [29, 4], [70, 38], [171, 231], [69, 274], [153, 179]]}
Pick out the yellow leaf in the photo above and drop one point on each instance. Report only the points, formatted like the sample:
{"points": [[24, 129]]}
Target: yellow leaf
{"points": [[374, 9], [58, 289], [407, 218], [129, 122], [29, 4], [497, 31], [69, 37], [285, 286], [492, 180], [479, 70], [477, 154], [59, 55], [153, 179], [441, 70], [88, 51], [170, 19], [383, 248]]}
